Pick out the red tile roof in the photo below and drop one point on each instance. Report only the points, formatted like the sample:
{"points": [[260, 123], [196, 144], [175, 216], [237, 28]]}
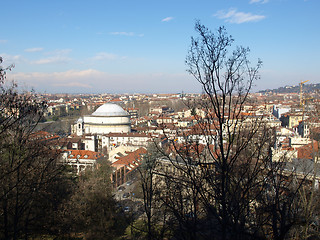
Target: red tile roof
{"points": [[308, 151], [132, 160], [83, 154], [43, 136]]}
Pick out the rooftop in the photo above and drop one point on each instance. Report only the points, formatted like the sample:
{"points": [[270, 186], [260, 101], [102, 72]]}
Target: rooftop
{"points": [[109, 110]]}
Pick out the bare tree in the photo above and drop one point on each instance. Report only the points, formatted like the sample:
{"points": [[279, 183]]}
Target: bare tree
{"points": [[29, 173], [222, 173], [91, 210], [231, 152], [309, 194], [155, 218]]}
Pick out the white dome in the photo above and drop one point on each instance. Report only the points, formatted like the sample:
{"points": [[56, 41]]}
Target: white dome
{"points": [[110, 109]]}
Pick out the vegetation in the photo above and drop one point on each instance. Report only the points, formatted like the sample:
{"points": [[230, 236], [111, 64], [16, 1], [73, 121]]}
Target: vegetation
{"points": [[216, 181], [31, 181], [38, 195], [224, 185], [308, 88], [91, 211]]}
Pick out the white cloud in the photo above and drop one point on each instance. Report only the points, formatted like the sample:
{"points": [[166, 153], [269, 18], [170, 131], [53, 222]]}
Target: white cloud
{"points": [[51, 60], [37, 49], [106, 56], [91, 80], [57, 56], [122, 33], [9, 59], [59, 52], [71, 78], [72, 84], [129, 34], [233, 16], [167, 19], [258, 1], [3, 41]]}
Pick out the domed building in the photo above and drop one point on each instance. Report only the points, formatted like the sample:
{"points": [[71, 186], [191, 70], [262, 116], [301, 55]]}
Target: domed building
{"points": [[108, 118]]}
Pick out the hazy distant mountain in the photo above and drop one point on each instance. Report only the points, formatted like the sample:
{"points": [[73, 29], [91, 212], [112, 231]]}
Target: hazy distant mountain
{"points": [[294, 89]]}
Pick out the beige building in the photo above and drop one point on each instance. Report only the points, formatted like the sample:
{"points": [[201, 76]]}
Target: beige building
{"points": [[291, 119]]}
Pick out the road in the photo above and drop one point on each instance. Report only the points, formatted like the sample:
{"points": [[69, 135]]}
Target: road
{"points": [[125, 197]]}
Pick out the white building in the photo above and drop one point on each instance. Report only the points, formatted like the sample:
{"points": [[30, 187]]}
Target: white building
{"points": [[113, 140], [106, 119], [279, 110], [79, 160]]}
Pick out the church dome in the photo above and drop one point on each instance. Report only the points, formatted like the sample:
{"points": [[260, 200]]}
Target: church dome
{"points": [[110, 109]]}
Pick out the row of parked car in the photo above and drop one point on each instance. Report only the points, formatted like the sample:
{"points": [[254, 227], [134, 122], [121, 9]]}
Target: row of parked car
{"points": [[123, 188]]}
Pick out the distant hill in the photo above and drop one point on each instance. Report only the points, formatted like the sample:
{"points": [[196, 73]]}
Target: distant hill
{"points": [[294, 89]]}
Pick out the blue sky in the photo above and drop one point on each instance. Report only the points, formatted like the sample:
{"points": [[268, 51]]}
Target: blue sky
{"points": [[139, 46]]}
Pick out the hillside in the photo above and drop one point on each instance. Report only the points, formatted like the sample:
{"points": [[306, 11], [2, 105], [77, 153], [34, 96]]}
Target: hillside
{"points": [[294, 89]]}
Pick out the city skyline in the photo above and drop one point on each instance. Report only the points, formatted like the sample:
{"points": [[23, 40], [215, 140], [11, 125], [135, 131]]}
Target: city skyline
{"points": [[140, 46]]}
